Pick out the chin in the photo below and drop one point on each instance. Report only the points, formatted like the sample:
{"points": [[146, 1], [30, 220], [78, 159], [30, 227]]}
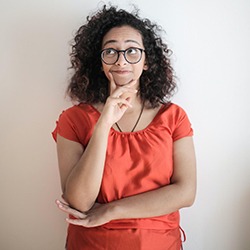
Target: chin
{"points": [[122, 82]]}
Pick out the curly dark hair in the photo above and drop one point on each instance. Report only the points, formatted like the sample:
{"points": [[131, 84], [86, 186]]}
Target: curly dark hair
{"points": [[89, 84]]}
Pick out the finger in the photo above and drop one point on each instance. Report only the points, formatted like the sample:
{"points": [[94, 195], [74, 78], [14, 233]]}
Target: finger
{"points": [[112, 83], [63, 201], [84, 223], [122, 90], [65, 208], [58, 202], [76, 222], [120, 102]]}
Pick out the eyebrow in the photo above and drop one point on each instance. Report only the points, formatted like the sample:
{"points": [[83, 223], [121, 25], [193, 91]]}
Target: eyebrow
{"points": [[115, 41]]}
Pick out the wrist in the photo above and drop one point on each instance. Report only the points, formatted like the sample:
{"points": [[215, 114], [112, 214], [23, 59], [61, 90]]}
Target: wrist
{"points": [[103, 126]]}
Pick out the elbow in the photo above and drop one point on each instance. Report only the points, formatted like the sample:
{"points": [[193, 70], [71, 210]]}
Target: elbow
{"points": [[186, 195], [190, 201], [77, 199], [76, 203], [189, 197]]}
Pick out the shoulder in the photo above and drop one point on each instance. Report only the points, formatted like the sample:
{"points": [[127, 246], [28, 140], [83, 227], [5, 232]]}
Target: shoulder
{"points": [[172, 110], [79, 113], [76, 123], [176, 120], [74, 110]]}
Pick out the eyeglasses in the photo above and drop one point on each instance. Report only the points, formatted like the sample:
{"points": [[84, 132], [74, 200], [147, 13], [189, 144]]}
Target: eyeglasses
{"points": [[132, 55]]}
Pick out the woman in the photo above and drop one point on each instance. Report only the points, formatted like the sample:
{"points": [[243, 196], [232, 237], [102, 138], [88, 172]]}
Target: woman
{"points": [[125, 152]]}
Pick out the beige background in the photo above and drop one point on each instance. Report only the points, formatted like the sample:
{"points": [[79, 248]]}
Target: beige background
{"points": [[210, 40]]}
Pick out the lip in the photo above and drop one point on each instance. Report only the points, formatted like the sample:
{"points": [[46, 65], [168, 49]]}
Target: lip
{"points": [[121, 72]]}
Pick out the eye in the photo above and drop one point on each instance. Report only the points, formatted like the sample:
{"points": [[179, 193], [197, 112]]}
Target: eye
{"points": [[132, 51], [109, 52]]}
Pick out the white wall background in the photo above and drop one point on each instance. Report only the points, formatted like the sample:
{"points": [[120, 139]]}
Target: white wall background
{"points": [[210, 40]]}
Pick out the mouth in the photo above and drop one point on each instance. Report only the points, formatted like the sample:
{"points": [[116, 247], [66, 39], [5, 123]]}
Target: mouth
{"points": [[121, 76], [121, 72]]}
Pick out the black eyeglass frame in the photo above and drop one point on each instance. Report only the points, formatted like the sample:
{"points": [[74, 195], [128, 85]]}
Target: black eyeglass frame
{"points": [[122, 51]]}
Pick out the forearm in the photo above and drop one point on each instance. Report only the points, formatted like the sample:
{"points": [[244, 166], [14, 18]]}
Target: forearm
{"points": [[158, 202], [83, 183]]}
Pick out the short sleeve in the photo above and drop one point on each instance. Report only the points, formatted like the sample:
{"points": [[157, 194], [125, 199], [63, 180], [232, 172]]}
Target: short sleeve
{"points": [[183, 126], [66, 128]]}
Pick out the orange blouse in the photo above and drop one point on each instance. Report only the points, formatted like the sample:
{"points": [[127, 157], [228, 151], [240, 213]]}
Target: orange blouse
{"points": [[136, 162]]}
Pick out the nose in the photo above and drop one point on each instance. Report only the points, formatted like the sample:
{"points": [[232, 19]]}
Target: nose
{"points": [[121, 59]]}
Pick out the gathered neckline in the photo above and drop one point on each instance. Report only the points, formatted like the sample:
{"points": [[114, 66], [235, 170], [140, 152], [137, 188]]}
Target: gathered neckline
{"points": [[134, 132]]}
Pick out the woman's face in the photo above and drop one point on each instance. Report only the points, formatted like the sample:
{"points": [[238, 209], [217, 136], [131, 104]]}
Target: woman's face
{"points": [[122, 38]]}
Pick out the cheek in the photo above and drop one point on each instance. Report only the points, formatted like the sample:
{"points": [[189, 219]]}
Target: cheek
{"points": [[138, 70]]}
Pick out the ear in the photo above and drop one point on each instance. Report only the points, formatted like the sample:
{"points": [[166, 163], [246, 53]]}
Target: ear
{"points": [[145, 67]]}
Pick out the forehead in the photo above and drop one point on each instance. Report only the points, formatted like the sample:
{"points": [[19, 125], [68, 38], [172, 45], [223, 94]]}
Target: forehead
{"points": [[123, 34]]}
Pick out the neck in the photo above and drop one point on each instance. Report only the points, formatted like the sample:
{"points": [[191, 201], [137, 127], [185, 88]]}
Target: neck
{"points": [[133, 114], [135, 101]]}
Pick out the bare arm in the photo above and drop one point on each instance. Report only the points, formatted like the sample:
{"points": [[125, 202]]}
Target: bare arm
{"points": [[81, 170], [180, 193]]}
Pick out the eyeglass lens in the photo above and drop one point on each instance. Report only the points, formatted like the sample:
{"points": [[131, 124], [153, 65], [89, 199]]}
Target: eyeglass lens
{"points": [[131, 55]]}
